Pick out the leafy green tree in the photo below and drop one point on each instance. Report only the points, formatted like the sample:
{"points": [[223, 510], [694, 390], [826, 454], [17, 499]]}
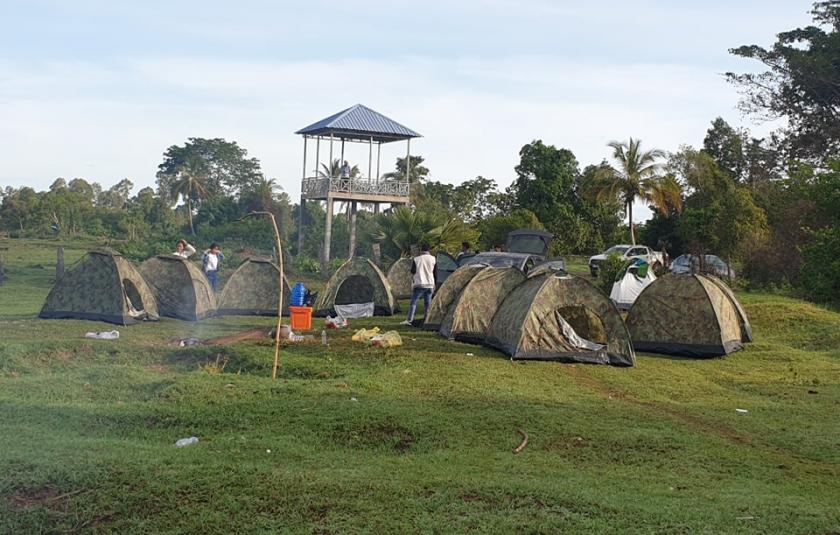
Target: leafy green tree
{"points": [[494, 229], [545, 181], [720, 216], [726, 146], [117, 196], [227, 168], [637, 175], [800, 84], [19, 208], [470, 200]]}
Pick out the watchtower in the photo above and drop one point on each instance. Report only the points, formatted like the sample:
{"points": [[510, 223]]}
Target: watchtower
{"points": [[357, 124]]}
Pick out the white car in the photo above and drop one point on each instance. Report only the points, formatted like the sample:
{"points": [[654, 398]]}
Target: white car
{"points": [[627, 252]]}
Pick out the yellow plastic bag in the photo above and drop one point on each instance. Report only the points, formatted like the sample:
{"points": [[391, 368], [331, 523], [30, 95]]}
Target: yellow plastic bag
{"points": [[388, 339], [364, 335]]}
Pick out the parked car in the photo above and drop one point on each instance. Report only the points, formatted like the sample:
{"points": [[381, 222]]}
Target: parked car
{"points": [[522, 261], [713, 265], [524, 249], [627, 252]]}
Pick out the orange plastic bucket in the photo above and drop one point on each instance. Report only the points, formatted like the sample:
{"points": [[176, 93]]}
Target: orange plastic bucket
{"points": [[301, 318]]}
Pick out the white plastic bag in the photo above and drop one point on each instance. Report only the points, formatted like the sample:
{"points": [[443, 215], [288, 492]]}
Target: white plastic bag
{"points": [[107, 335]]}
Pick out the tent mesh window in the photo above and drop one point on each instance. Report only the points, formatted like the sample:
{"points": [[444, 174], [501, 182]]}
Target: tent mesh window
{"points": [[354, 289], [133, 295], [586, 323]]}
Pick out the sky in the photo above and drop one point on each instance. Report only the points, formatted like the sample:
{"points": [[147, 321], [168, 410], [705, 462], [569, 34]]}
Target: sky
{"points": [[99, 89]]}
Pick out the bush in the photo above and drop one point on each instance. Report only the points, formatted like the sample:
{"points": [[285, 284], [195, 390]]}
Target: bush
{"points": [[821, 270], [336, 263], [608, 271], [306, 265]]}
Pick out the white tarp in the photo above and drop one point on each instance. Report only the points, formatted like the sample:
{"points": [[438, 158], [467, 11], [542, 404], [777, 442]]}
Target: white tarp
{"points": [[355, 310], [625, 291]]}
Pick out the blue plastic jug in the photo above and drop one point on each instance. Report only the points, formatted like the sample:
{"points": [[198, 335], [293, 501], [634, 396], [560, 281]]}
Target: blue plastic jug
{"points": [[298, 295]]}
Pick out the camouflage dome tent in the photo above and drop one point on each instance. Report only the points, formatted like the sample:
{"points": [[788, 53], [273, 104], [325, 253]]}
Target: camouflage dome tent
{"points": [[400, 278], [180, 288], [468, 317], [101, 286], [252, 290], [447, 294], [357, 281], [553, 316], [689, 315]]}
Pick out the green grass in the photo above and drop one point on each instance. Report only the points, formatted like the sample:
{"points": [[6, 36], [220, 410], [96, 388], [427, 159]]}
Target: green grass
{"points": [[411, 439]]}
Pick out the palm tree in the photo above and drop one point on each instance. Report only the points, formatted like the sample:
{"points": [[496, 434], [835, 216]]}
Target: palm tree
{"points": [[637, 174], [403, 228], [334, 169], [190, 182]]}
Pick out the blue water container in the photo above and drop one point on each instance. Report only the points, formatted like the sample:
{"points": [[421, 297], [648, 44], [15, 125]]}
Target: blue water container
{"points": [[298, 295]]}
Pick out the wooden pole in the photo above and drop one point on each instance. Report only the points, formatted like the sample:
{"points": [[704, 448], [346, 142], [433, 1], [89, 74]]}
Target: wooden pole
{"points": [[59, 264], [353, 208], [279, 248], [327, 236]]}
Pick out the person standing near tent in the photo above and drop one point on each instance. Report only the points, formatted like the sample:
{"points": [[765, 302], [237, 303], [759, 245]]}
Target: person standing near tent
{"points": [[465, 250], [212, 257], [423, 281], [184, 249]]}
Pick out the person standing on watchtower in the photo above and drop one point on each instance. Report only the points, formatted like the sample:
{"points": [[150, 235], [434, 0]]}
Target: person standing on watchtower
{"points": [[344, 170]]}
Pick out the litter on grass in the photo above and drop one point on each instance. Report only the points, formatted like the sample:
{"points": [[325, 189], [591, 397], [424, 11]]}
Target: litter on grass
{"points": [[742, 411], [364, 335], [335, 323], [107, 335], [186, 442]]}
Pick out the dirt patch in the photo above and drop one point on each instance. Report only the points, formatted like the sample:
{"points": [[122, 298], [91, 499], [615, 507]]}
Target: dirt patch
{"points": [[386, 435], [42, 497]]}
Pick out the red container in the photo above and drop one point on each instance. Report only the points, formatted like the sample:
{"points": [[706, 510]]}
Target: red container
{"points": [[301, 318]]}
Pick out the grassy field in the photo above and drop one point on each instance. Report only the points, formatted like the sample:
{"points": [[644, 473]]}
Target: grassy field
{"points": [[411, 439]]}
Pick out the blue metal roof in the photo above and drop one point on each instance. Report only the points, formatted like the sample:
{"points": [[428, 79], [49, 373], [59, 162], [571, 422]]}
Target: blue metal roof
{"points": [[362, 123]]}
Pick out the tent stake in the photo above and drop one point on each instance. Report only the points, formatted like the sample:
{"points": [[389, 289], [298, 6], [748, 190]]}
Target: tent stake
{"points": [[279, 249]]}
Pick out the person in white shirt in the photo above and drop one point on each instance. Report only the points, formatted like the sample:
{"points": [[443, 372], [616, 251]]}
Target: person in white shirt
{"points": [[344, 170], [423, 282], [184, 249], [212, 257]]}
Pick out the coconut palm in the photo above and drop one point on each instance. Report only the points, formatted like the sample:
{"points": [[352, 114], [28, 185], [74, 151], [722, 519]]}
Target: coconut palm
{"points": [[334, 169], [190, 182], [637, 174]]}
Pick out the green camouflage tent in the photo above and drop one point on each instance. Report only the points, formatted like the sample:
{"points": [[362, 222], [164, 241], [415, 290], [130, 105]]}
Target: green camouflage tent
{"points": [[689, 315], [357, 281], [180, 288], [560, 317], [447, 294], [468, 317], [400, 278], [252, 290], [101, 286]]}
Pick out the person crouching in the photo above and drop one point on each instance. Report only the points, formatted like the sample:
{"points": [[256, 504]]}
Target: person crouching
{"points": [[422, 281], [212, 258]]}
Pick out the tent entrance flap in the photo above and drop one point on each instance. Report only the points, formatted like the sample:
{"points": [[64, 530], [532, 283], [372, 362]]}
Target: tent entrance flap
{"points": [[132, 295], [354, 289]]}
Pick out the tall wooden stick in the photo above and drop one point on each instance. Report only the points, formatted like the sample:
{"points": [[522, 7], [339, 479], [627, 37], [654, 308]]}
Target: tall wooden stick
{"points": [[279, 249]]}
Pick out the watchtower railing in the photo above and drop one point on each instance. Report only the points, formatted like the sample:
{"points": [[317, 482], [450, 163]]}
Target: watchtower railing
{"points": [[317, 187]]}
